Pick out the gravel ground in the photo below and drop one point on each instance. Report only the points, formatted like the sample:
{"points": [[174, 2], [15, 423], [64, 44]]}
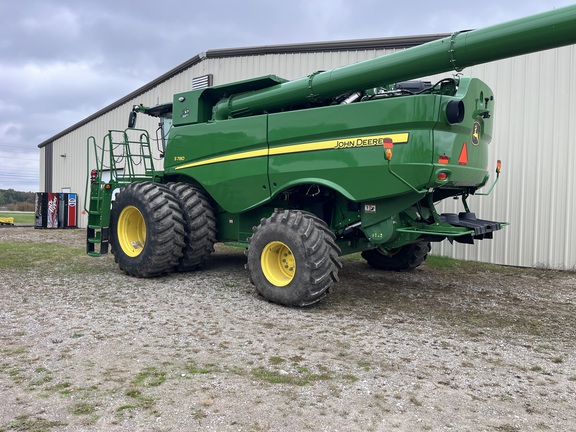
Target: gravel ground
{"points": [[466, 347]]}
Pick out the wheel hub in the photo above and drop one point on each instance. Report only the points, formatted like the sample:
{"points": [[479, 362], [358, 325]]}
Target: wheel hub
{"points": [[131, 231], [278, 263]]}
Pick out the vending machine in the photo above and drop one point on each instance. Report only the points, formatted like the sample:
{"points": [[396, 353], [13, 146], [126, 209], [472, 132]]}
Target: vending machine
{"points": [[52, 216], [55, 210], [67, 210], [39, 210]]}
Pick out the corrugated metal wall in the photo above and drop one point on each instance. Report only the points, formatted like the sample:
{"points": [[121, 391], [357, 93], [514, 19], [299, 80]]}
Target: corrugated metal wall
{"points": [[534, 137]]}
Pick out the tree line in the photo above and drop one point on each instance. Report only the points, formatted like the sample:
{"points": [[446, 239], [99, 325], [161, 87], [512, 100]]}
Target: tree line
{"points": [[13, 200]]}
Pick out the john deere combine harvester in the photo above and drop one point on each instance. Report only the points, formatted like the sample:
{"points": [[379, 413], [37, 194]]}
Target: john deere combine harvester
{"points": [[301, 172]]}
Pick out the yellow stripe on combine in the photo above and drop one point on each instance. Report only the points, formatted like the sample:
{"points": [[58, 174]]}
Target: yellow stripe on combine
{"points": [[235, 156], [346, 143]]}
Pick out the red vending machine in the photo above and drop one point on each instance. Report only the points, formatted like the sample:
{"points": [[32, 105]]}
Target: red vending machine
{"points": [[52, 214], [67, 210], [72, 221]]}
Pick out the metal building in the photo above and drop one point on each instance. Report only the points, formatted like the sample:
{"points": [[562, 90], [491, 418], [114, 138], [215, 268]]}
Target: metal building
{"points": [[534, 136]]}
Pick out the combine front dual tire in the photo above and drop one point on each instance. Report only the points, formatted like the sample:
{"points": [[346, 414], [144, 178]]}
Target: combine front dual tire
{"points": [[405, 258], [293, 259], [146, 229]]}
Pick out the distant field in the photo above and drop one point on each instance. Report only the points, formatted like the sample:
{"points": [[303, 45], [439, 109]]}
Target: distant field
{"points": [[19, 217]]}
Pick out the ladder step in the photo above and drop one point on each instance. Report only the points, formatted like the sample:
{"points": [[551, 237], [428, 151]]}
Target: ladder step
{"points": [[94, 239], [94, 254]]}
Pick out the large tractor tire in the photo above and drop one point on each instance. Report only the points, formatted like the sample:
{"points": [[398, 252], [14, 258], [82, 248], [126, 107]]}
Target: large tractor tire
{"points": [[200, 226], [293, 259], [146, 230], [405, 258]]}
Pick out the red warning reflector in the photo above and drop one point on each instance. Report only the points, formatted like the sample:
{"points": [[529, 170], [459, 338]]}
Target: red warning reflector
{"points": [[443, 160], [498, 166], [463, 159], [388, 143], [442, 176]]}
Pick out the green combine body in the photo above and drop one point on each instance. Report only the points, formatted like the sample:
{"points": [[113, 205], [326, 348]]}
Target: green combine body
{"points": [[301, 172]]}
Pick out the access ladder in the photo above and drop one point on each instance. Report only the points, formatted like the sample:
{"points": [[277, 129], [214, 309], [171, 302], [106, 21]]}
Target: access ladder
{"points": [[124, 157]]}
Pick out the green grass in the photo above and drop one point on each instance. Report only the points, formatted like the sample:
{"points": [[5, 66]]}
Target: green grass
{"points": [[150, 377], [142, 401], [438, 263], [66, 259], [82, 408], [19, 218], [275, 377], [442, 263], [28, 423]]}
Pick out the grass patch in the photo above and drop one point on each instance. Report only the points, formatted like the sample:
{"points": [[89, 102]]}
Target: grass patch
{"points": [[473, 320], [19, 256], [31, 424], [82, 408], [26, 218], [194, 369], [441, 263], [16, 351], [66, 259], [126, 407], [275, 377], [150, 377], [415, 401], [143, 402], [64, 388], [275, 360]]}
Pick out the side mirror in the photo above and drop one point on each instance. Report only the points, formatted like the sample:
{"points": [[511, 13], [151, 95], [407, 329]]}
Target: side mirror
{"points": [[132, 119]]}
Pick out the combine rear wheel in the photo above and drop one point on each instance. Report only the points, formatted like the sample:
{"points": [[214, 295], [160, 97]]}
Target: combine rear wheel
{"points": [[200, 226], [146, 229], [293, 259], [405, 258]]}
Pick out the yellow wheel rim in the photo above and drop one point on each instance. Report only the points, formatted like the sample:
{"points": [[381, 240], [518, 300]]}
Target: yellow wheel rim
{"points": [[278, 264], [131, 231]]}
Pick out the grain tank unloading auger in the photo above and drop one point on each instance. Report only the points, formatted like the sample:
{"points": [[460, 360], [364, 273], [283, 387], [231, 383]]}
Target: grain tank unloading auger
{"points": [[303, 171]]}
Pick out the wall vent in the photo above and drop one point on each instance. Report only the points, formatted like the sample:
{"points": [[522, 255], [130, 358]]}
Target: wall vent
{"points": [[202, 81]]}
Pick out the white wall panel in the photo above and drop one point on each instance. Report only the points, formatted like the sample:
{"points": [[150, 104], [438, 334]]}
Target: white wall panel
{"points": [[534, 136]]}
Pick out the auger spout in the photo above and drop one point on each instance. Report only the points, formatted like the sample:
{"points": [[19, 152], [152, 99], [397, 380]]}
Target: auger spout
{"points": [[539, 32]]}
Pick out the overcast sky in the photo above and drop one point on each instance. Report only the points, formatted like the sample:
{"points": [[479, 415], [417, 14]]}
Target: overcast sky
{"points": [[61, 61]]}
